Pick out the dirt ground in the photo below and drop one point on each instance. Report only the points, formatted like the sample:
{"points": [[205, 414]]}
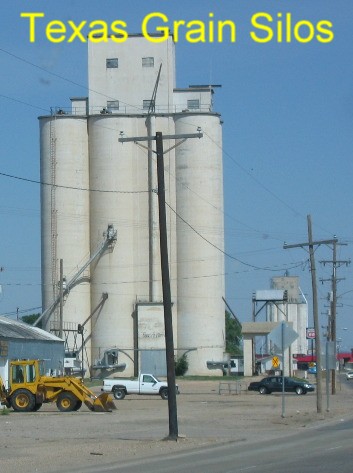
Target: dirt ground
{"points": [[50, 441]]}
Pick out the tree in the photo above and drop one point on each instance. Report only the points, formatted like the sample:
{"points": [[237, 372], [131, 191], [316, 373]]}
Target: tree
{"points": [[233, 335], [181, 365], [30, 319]]}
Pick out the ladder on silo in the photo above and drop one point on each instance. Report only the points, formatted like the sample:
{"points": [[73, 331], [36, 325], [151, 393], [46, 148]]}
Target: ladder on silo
{"points": [[53, 213]]}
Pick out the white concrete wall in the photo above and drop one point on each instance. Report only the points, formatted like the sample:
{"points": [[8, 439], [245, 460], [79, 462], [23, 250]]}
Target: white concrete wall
{"points": [[131, 83], [181, 97]]}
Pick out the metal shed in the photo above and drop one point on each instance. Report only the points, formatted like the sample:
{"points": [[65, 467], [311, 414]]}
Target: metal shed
{"points": [[22, 341]]}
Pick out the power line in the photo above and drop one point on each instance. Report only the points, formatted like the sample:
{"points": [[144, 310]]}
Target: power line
{"points": [[139, 192], [33, 181], [22, 311], [23, 103], [227, 254], [62, 77]]}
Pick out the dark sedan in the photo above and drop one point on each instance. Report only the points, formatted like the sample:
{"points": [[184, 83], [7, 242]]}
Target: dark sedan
{"points": [[274, 384]]}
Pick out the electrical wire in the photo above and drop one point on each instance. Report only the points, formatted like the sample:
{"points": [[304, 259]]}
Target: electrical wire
{"points": [[134, 192], [58, 76], [33, 181], [24, 103], [227, 254]]}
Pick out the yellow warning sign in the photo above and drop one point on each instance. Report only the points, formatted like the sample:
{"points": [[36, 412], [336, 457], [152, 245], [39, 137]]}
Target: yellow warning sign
{"points": [[275, 362]]}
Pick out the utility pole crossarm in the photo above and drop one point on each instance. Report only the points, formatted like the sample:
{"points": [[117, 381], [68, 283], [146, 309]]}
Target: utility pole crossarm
{"points": [[312, 243], [337, 263], [165, 137]]}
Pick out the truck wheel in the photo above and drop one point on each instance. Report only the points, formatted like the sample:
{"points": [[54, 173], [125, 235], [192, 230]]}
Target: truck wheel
{"points": [[66, 402], [23, 400], [164, 394], [119, 394]]}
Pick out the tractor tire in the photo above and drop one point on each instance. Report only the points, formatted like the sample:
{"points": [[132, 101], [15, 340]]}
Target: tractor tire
{"points": [[23, 400], [78, 405], [66, 402]]}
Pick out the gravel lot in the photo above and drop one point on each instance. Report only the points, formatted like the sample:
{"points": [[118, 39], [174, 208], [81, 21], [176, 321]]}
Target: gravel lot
{"points": [[50, 441]]}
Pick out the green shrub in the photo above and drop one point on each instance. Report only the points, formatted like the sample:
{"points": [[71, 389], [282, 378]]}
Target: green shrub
{"points": [[181, 365]]}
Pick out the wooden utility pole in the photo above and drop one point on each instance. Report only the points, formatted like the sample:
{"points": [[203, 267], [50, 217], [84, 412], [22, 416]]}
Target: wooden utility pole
{"points": [[167, 300], [311, 244], [332, 322], [316, 317], [167, 303]]}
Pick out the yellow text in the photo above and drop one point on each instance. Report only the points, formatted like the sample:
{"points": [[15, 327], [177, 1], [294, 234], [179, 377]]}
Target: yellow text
{"points": [[284, 29]]}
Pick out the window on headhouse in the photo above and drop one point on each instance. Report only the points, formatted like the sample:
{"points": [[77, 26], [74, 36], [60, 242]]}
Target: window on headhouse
{"points": [[147, 104], [148, 62], [113, 104], [112, 63], [193, 104]]}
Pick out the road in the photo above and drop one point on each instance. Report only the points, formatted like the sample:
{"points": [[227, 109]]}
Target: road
{"points": [[325, 450]]}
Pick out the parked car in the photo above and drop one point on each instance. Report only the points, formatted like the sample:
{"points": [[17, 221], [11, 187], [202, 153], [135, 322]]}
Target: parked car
{"points": [[349, 375], [274, 384]]}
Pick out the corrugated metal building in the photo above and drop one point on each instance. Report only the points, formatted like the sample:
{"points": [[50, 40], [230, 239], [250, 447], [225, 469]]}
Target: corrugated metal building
{"points": [[21, 341]]}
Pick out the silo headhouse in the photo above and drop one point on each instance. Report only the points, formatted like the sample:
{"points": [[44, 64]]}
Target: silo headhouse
{"points": [[100, 227]]}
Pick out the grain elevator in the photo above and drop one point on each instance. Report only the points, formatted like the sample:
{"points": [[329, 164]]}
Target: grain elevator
{"points": [[99, 210]]}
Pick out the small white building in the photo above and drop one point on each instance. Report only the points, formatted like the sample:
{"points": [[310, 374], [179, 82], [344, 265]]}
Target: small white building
{"points": [[20, 341]]}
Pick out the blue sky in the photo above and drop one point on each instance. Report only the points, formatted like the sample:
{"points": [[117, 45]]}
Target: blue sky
{"points": [[288, 141]]}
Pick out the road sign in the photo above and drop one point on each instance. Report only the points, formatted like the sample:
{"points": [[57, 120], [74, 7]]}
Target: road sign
{"points": [[310, 334], [275, 362], [283, 333]]}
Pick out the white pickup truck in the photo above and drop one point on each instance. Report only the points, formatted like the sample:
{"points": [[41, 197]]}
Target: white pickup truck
{"points": [[145, 384]]}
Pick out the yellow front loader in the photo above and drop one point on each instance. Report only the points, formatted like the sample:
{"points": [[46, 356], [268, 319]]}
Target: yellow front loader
{"points": [[29, 388]]}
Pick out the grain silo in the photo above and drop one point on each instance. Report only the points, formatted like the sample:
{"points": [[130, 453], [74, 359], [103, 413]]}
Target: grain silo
{"points": [[200, 239], [119, 301], [64, 215]]}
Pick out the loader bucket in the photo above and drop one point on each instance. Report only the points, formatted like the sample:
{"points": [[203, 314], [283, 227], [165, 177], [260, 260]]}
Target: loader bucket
{"points": [[103, 403]]}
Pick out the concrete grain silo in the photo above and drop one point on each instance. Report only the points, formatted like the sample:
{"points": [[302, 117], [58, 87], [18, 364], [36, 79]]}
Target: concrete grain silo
{"points": [[64, 215], [200, 240], [120, 303]]}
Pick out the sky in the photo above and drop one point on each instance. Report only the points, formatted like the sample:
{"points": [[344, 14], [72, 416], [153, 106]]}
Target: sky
{"points": [[287, 118]]}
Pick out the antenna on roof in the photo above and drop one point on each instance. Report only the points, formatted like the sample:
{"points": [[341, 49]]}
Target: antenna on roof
{"points": [[152, 106]]}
